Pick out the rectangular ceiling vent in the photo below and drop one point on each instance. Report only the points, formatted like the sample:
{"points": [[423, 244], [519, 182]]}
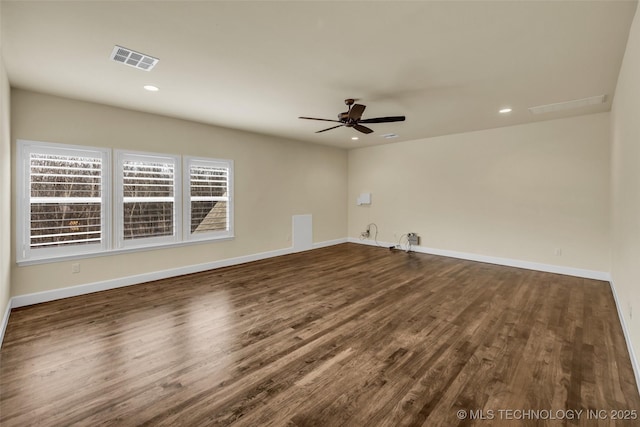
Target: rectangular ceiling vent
{"points": [[568, 105], [133, 59]]}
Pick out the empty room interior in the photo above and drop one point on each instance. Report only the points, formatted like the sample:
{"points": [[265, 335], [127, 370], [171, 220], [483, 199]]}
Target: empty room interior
{"points": [[319, 213]]}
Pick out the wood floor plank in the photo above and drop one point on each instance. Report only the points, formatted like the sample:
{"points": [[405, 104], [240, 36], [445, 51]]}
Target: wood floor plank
{"points": [[348, 335]]}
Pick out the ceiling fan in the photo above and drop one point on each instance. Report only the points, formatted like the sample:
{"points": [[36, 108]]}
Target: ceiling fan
{"points": [[352, 118]]}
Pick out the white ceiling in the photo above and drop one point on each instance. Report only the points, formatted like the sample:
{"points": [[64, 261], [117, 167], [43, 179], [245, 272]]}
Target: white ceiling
{"points": [[257, 66]]}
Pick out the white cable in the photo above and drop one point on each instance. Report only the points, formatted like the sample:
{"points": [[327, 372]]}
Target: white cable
{"points": [[400, 241], [375, 236]]}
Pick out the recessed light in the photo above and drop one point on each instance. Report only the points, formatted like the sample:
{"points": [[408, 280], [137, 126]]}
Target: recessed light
{"points": [[151, 88], [505, 110], [355, 138]]}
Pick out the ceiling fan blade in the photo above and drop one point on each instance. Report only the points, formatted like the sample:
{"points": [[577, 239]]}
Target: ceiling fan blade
{"points": [[324, 120], [362, 129], [356, 111], [384, 119], [324, 130]]}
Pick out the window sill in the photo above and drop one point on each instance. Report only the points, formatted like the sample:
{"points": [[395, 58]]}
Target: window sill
{"points": [[27, 262]]}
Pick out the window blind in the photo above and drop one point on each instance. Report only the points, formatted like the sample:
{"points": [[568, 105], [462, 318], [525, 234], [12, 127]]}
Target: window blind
{"points": [[65, 200], [148, 198], [209, 197]]}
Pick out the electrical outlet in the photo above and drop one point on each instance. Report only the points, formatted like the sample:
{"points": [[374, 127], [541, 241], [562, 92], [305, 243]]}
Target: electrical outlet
{"points": [[365, 234], [558, 252], [413, 238], [75, 267]]}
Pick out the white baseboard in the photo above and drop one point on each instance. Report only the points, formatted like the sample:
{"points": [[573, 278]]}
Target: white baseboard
{"points": [[329, 243], [627, 337], [40, 297], [54, 294], [570, 271], [5, 320], [528, 265], [72, 291]]}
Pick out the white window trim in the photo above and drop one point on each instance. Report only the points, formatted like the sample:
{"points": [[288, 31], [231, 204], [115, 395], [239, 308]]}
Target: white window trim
{"points": [[121, 243], [23, 199], [188, 161], [112, 200]]}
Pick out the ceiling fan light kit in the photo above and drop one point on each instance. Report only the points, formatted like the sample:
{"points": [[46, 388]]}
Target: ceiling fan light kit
{"points": [[352, 118]]}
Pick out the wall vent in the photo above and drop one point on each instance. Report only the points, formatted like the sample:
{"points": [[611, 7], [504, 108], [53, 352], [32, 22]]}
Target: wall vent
{"points": [[568, 105], [133, 59]]}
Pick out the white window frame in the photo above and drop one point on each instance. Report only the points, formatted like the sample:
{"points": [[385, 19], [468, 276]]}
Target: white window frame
{"points": [[121, 242], [23, 200], [112, 203], [189, 161]]}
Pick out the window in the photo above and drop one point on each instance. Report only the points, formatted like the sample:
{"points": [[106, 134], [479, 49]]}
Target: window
{"points": [[64, 205], [147, 196], [65, 209], [207, 192]]}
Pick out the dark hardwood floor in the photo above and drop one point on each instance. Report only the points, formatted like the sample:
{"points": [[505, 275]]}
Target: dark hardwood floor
{"points": [[348, 335]]}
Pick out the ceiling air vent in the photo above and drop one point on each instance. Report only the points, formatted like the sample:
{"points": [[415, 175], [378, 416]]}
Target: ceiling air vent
{"points": [[133, 59], [568, 105]]}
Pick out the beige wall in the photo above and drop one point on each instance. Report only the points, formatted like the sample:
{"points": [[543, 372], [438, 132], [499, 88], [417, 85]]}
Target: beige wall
{"points": [[625, 136], [274, 179], [515, 192], [5, 188]]}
